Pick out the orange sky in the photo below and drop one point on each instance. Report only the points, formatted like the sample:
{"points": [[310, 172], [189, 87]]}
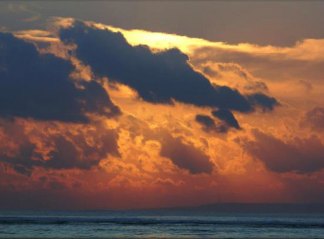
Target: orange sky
{"points": [[159, 155]]}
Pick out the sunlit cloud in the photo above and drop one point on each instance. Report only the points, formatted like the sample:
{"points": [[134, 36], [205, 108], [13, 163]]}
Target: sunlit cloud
{"points": [[158, 119]]}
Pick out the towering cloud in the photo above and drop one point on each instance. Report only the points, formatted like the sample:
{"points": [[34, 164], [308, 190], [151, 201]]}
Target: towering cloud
{"points": [[34, 85]]}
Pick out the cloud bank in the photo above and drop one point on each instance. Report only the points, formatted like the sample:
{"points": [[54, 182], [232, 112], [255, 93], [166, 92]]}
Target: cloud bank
{"points": [[38, 86]]}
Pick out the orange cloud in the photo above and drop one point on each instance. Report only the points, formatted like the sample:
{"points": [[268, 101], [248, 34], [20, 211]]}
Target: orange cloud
{"points": [[160, 155]]}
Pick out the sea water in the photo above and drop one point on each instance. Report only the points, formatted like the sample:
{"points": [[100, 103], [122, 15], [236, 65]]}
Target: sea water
{"points": [[142, 224]]}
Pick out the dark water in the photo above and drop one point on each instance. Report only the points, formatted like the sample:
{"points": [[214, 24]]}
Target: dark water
{"points": [[140, 224]]}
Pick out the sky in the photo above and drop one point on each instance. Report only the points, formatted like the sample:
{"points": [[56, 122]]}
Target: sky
{"points": [[151, 104]]}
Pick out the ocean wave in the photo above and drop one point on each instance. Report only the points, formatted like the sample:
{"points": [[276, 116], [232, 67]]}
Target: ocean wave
{"points": [[160, 221]]}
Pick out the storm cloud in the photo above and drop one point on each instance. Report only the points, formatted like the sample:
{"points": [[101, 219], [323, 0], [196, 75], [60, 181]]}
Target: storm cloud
{"points": [[38, 86], [157, 77]]}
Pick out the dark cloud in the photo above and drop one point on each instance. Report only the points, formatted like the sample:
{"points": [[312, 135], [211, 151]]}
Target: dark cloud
{"points": [[185, 156], [227, 116], [263, 101], [298, 155], [157, 77], [209, 125], [314, 119], [66, 155], [205, 120], [38, 86], [80, 148]]}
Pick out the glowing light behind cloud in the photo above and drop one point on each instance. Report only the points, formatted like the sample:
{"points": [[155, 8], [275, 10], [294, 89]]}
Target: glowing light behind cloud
{"points": [[138, 175]]}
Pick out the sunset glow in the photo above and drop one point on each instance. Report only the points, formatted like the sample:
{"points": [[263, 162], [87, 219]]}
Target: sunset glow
{"points": [[97, 116]]}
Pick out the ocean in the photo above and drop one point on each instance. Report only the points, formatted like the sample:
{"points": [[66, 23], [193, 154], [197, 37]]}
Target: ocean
{"points": [[160, 224]]}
